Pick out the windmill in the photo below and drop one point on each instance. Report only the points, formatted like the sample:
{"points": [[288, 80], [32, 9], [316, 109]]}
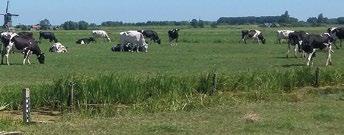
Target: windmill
{"points": [[8, 17]]}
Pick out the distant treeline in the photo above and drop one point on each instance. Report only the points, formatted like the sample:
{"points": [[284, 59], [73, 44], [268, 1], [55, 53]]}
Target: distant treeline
{"points": [[264, 21]]}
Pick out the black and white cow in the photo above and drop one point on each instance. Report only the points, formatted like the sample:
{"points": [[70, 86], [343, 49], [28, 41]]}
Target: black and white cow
{"points": [[47, 35], [85, 41], [337, 33], [253, 34], [314, 42], [295, 39], [101, 34], [27, 46], [26, 34], [283, 35], [173, 35], [152, 35], [134, 40], [58, 48]]}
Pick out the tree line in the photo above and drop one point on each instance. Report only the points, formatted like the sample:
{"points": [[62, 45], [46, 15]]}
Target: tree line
{"points": [[282, 20]]}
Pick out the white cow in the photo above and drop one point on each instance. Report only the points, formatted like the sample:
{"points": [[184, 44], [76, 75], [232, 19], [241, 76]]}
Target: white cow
{"points": [[58, 48], [133, 39], [100, 34], [283, 34]]}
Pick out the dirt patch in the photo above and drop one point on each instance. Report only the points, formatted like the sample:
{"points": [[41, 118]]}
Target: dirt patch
{"points": [[36, 117]]}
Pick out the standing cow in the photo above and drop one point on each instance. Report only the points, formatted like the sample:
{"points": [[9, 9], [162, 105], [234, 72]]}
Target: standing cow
{"points": [[313, 42], [152, 35], [173, 35], [24, 45], [48, 35], [133, 40], [295, 39], [337, 33], [101, 34], [253, 34], [283, 35]]}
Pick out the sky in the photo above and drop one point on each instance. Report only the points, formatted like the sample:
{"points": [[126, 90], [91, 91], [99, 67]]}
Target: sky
{"points": [[97, 11]]}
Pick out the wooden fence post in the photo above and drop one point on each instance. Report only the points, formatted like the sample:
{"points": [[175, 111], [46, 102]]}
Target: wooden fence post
{"points": [[71, 97], [26, 105], [317, 77]]}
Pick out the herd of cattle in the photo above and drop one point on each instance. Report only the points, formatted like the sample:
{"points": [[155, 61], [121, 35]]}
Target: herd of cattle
{"points": [[130, 41], [304, 43]]}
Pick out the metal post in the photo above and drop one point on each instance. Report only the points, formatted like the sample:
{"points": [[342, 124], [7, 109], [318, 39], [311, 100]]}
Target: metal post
{"points": [[317, 74], [26, 105]]}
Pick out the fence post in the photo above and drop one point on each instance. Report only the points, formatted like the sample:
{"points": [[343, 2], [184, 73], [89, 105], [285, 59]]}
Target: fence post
{"points": [[214, 84], [26, 105], [71, 97], [317, 77]]}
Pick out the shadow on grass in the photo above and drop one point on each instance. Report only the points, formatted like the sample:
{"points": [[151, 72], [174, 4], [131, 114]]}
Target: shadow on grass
{"points": [[293, 65]]}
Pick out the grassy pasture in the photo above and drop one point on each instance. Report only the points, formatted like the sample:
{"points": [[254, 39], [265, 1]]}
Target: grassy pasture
{"points": [[199, 50], [157, 85]]}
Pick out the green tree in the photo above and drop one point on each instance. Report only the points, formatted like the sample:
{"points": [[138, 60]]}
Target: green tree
{"points": [[70, 25], [83, 25], [194, 23], [201, 23], [285, 18], [45, 24]]}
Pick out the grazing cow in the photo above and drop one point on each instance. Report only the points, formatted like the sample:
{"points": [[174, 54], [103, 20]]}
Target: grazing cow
{"points": [[26, 34], [283, 34], [85, 40], [337, 33], [58, 48], [314, 42], [173, 35], [152, 35], [24, 45], [134, 40], [295, 39], [47, 35], [100, 34], [254, 34]]}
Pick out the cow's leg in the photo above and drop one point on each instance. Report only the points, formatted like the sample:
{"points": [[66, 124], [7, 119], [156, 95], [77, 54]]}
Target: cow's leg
{"points": [[310, 57], [296, 49], [8, 50], [329, 59], [288, 50], [26, 57], [3, 52]]}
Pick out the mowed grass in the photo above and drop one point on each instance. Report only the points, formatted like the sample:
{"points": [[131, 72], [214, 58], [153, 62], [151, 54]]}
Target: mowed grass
{"points": [[199, 50]]}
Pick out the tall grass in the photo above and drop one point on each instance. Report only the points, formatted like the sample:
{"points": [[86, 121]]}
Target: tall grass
{"points": [[167, 92]]}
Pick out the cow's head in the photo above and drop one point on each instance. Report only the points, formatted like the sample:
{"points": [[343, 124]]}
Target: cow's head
{"points": [[261, 38], [158, 41], [41, 58]]}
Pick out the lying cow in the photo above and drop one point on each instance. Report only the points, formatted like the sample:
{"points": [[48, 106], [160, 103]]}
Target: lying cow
{"points": [[86, 41], [134, 40], [173, 35], [283, 35], [100, 34], [58, 48], [252, 34], [313, 42], [47, 35], [152, 35], [23, 45], [124, 48], [295, 40]]}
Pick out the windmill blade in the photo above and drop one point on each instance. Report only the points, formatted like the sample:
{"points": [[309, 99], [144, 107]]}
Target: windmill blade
{"points": [[2, 14], [14, 15], [8, 2]]}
